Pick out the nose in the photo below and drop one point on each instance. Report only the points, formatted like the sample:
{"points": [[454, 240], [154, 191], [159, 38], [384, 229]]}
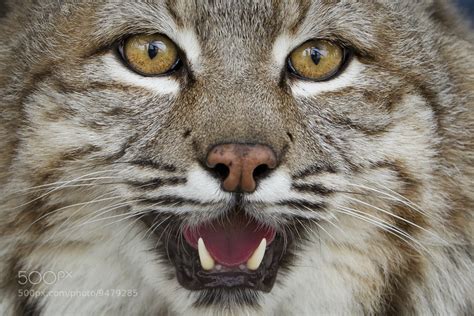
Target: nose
{"points": [[241, 166]]}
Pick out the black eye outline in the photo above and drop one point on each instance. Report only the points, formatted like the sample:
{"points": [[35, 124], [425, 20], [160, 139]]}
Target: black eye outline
{"points": [[177, 66], [347, 54]]}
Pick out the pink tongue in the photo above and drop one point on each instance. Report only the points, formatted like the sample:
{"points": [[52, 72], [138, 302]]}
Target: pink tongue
{"points": [[230, 243]]}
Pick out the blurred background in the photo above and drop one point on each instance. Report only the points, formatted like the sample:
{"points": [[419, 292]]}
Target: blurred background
{"points": [[467, 8]]}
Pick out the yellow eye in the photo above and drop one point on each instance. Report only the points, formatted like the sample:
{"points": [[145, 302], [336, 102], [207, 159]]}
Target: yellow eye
{"points": [[316, 60], [150, 55]]}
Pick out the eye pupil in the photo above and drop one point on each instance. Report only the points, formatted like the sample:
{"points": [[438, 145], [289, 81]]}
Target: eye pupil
{"points": [[315, 56], [153, 49]]}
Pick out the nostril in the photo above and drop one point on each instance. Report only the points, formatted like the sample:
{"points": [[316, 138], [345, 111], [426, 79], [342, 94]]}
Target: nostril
{"points": [[241, 166], [222, 171], [261, 172]]}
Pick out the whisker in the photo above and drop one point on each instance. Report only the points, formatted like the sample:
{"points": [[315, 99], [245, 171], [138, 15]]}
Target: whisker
{"points": [[384, 226], [138, 218], [397, 217], [81, 208], [46, 186], [297, 231], [97, 218], [127, 216], [151, 229], [85, 204], [154, 227], [402, 199], [336, 226], [167, 239], [167, 168], [56, 189], [72, 205], [322, 228], [413, 204], [121, 217], [161, 235], [104, 210]]}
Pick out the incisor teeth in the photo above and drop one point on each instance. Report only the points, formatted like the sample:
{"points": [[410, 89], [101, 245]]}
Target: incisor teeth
{"points": [[256, 259], [207, 263]]}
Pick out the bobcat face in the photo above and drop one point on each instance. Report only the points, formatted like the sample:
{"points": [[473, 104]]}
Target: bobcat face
{"points": [[220, 158]]}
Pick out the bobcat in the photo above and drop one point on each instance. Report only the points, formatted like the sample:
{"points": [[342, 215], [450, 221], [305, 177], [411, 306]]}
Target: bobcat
{"points": [[236, 158]]}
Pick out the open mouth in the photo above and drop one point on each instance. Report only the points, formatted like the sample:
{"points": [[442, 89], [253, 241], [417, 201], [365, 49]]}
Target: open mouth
{"points": [[227, 253]]}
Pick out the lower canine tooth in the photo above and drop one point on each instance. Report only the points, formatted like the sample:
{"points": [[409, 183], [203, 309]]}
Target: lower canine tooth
{"points": [[256, 259], [207, 263]]}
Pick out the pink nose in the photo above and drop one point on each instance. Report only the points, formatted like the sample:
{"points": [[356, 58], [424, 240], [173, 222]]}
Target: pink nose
{"points": [[241, 166]]}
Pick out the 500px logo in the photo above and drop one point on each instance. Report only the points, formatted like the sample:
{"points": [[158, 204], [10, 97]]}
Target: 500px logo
{"points": [[45, 277]]}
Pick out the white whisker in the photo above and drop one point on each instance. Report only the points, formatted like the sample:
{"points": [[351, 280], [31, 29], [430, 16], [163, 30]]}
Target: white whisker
{"points": [[401, 198], [397, 217], [58, 188], [97, 218], [72, 205], [383, 225]]}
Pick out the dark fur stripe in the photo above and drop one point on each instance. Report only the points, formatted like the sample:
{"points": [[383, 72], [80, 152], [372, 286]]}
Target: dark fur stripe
{"points": [[303, 8], [312, 170], [52, 170], [3, 8], [171, 201], [64, 87], [142, 162], [303, 205], [123, 149], [153, 164], [395, 298], [373, 130], [29, 308], [157, 183], [171, 6], [312, 188]]}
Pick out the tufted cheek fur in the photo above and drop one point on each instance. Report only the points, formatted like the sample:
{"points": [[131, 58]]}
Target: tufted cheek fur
{"points": [[374, 173]]}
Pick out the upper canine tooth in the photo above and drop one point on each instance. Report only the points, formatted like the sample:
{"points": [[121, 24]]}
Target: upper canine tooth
{"points": [[207, 262], [256, 259]]}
